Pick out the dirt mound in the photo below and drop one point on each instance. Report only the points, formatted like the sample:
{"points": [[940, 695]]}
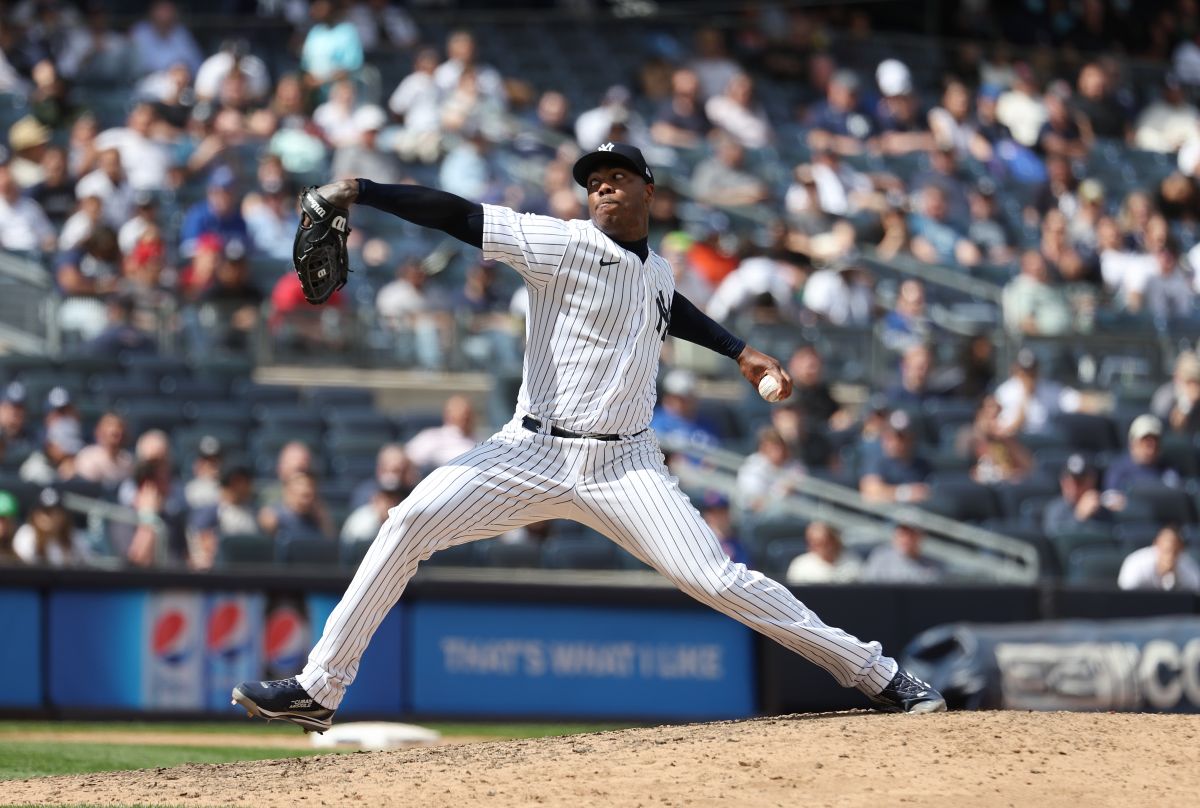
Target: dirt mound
{"points": [[842, 759]]}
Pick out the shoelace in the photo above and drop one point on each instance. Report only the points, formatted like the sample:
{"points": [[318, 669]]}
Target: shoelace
{"points": [[910, 686]]}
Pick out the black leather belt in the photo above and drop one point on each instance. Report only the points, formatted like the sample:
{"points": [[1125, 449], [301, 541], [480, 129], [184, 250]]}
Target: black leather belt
{"points": [[534, 425]]}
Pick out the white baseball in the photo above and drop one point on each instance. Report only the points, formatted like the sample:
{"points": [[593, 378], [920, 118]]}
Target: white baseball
{"points": [[769, 387]]}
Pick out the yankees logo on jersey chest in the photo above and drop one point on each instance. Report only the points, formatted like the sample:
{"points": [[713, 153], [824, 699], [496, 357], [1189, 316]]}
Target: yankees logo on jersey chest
{"points": [[664, 314]]}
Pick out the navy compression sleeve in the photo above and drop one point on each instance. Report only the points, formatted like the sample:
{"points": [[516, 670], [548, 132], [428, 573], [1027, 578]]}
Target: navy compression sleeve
{"points": [[426, 207], [690, 324]]}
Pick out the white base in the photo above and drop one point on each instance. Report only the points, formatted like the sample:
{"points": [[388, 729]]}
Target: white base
{"points": [[375, 736]]}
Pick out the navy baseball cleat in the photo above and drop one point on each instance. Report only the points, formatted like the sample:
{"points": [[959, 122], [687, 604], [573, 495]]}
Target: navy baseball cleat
{"points": [[283, 700], [908, 694]]}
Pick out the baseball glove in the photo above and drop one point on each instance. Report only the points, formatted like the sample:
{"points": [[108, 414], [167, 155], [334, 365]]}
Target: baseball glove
{"points": [[319, 251]]}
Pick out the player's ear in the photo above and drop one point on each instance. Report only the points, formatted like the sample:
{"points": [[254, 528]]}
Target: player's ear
{"points": [[649, 193]]}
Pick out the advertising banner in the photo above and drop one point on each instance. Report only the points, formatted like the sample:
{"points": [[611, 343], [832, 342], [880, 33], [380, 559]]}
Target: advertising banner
{"points": [[501, 659], [169, 650], [21, 616], [378, 688], [233, 644], [1080, 665]]}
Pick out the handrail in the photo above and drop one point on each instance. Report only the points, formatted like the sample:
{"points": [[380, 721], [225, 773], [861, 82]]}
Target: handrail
{"points": [[952, 278], [984, 552], [99, 509], [26, 270]]}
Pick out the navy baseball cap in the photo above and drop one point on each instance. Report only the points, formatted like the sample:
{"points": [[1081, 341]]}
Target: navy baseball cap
{"points": [[621, 154]]}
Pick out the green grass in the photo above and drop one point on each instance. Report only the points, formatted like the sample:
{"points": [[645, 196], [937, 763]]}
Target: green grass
{"points": [[22, 759], [498, 731]]}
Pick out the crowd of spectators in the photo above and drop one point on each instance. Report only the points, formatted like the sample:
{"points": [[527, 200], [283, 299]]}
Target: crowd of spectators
{"points": [[795, 152]]}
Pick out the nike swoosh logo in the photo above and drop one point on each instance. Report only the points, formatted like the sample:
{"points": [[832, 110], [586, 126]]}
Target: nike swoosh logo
{"points": [[609, 263]]}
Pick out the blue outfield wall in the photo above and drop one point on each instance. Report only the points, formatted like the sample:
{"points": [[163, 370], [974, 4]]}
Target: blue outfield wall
{"points": [[21, 674], [501, 659], [82, 643]]}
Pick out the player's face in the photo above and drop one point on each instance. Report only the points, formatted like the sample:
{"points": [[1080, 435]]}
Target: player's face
{"points": [[619, 202]]}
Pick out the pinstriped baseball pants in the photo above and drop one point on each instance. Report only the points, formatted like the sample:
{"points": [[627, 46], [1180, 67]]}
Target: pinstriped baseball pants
{"points": [[620, 488]]}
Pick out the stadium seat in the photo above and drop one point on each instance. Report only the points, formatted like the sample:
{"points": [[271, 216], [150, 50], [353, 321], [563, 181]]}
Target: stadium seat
{"points": [[1097, 566], [524, 555], [217, 414], [1085, 536], [778, 554], [195, 390], [1013, 495], [1165, 504], [351, 421], [579, 552], [151, 413], [90, 364], [350, 553], [1085, 432], [1133, 535], [1179, 452], [256, 395], [410, 424], [110, 387], [962, 499], [323, 398], [308, 552], [1031, 533], [238, 549], [154, 366], [460, 555]]}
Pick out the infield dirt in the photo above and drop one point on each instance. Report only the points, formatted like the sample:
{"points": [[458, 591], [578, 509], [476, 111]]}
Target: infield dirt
{"points": [[842, 759]]}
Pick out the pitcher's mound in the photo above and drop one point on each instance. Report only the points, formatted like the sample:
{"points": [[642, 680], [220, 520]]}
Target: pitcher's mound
{"points": [[843, 759]]}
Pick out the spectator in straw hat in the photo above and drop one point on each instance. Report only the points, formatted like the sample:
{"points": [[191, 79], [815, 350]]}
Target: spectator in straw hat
{"points": [[28, 139]]}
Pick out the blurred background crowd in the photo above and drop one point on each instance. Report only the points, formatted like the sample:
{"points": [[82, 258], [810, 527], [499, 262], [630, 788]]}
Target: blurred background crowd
{"points": [[971, 230]]}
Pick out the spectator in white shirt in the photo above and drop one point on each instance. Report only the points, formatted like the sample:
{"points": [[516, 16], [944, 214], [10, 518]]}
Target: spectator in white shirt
{"points": [[23, 224], [1028, 402], [233, 55], [841, 190], [768, 475], [144, 159], [842, 294], [1168, 290], [461, 56], [1169, 122], [416, 101], [1163, 566], [826, 561], [1021, 107], [108, 182], [438, 445], [1122, 271], [755, 276], [363, 523], [160, 41], [737, 113], [593, 126], [48, 537], [336, 116]]}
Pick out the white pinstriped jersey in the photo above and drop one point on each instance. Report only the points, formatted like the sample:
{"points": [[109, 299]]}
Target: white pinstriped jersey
{"points": [[597, 319]]}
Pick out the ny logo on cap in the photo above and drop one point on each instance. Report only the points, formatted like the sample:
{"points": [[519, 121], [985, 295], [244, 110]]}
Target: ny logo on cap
{"points": [[605, 147]]}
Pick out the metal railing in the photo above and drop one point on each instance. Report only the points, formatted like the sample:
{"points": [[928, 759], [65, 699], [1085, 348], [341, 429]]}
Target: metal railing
{"points": [[28, 307], [970, 551]]}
